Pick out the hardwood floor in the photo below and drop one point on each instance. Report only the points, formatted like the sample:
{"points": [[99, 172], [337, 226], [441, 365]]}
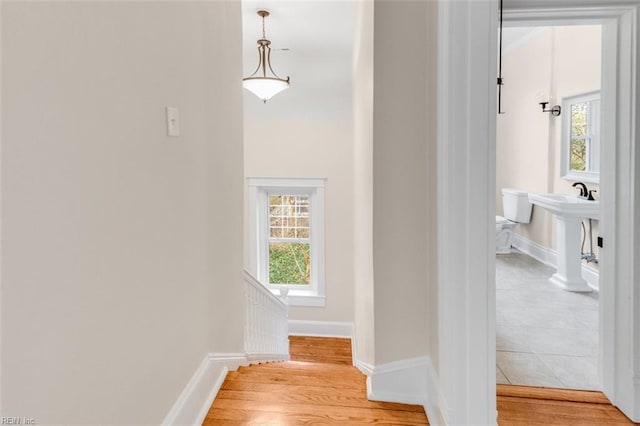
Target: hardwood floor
{"points": [[320, 386], [320, 349], [522, 405]]}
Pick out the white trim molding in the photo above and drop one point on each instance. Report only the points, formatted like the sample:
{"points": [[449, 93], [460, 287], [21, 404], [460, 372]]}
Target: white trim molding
{"points": [[259, 358], [539, 252], [549, 257], [194, 402], [321, 328], [403, 381], [231, 361], [467, 69], [435, 404], [467, 58], [619, 174], [301, 298], [259, 189], [408, 381], [364, 367], [591, 276]]}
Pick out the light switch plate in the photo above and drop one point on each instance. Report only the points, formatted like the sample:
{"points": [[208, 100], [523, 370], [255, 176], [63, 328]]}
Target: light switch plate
{"points": [[173, 122]]}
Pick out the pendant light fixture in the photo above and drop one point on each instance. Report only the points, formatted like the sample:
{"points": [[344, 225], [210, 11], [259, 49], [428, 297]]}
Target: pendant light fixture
{"points": [[264, 83]]}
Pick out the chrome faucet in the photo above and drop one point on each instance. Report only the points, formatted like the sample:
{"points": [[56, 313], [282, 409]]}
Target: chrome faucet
{"points": [[584, 192]]}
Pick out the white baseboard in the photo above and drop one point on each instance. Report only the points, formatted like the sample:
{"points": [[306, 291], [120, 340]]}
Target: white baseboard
{"points": [[321, 328], [195, 400], [365, 368], [549, 257], [409, 381], [591, 276], [231, 360], [435, 405], [402, 381], [256, 358], [537, 251]]}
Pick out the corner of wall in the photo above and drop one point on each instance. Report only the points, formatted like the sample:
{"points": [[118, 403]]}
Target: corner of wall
{"points": [[408, 381]]}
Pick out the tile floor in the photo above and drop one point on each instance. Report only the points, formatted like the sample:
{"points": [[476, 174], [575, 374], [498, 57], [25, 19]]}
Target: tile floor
{"points": [[545, 336]]}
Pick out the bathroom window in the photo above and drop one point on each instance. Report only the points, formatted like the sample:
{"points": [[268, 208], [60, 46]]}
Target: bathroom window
{"points": [[580, 158], [286, 227]]}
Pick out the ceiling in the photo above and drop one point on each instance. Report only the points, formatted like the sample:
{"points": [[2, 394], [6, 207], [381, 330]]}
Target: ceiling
{"points": [[512, 37], [320, 36]]}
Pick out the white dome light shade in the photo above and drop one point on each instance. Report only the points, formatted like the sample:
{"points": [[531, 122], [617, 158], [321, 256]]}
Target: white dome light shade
{"points": [[265, 87], [258, 83]]}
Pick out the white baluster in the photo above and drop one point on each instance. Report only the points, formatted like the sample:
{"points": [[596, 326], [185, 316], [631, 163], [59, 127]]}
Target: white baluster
{"points": [[266, 327]]}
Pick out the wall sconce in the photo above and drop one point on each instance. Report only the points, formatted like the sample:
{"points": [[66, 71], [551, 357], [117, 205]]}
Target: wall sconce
{"points": [[555, 110]]}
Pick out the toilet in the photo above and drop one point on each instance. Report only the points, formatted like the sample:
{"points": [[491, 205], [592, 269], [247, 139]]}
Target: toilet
{"points": [[517, 209]]}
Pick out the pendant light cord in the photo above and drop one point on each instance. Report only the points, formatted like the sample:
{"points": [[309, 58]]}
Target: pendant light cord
{"points": [[500, 81]]}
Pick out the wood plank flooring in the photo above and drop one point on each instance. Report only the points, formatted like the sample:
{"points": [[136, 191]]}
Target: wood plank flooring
{"points": [[522, 405], [320, 386], [320, 349]]}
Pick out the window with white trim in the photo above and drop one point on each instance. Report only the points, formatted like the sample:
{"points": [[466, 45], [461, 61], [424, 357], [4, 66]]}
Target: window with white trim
{"points": [[580, 158], [286, 231]]}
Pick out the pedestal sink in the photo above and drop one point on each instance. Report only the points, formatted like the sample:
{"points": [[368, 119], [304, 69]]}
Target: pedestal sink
{"points": [[569, 211]]}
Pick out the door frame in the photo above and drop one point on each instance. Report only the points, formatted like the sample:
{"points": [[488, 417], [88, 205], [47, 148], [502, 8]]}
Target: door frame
{"points": [[466, 202]]}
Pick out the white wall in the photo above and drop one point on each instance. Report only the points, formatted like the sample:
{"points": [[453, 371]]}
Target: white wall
{"points": [[404, 180], [559, 62], [523, 143], [577, 69], [112, 294], [314, 149]]}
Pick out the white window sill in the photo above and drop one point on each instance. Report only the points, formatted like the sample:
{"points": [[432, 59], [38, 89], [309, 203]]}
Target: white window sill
{"points": [[302, 298], [588, 177]]}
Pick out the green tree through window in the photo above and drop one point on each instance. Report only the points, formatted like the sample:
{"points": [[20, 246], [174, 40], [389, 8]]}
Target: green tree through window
{"points": [[579, 136], [289, 248]]}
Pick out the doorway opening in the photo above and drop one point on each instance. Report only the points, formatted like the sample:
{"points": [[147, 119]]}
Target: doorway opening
{"points": [[547, 263], [467, 312]]}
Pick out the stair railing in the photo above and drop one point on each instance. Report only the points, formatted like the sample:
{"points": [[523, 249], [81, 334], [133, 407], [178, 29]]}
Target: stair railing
{"points": [[266, 325]]}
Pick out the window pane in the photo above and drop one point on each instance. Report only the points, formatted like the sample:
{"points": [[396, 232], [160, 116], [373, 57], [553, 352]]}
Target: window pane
{"points": [[275, 232], [288, 232], [302, 222], [578, 152], [289, 216], [579, 119], [289, 263], [274, 200]]}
